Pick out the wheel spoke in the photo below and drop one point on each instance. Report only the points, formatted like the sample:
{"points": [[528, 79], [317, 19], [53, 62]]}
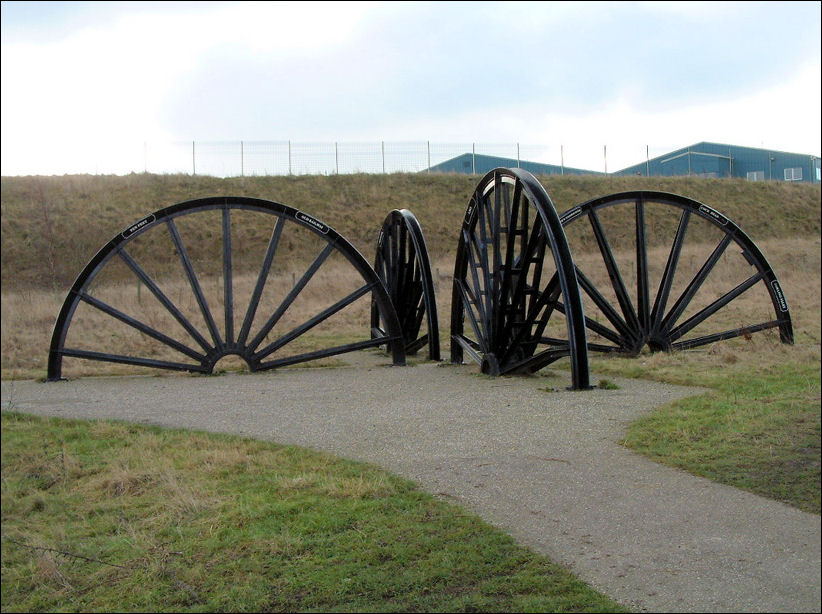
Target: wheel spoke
{"points": [[728, 334], [667, 280], [474, 351], [538, 361], [512, 215], [642, 290], [467, 301], [496, 230], [477, 292], [530, 329], [164, 300], [289, 299], [140, 326], [228, 284], [133, 360], [262, 277], [312, 322], [696, 283], [613, 272], [598, 328], [325, 353], [195, 284], [711, 309], [605, 307]]}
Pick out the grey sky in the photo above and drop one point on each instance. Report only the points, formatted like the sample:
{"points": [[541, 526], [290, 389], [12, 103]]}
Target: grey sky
{"points": [[581, 74]]}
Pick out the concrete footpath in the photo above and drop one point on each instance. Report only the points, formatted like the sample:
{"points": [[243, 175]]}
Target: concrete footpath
{"points": [[543, 466]]}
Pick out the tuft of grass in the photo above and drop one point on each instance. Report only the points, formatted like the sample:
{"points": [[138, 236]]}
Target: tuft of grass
{"points": [[758, 428], [606, 384], [108, 516]]}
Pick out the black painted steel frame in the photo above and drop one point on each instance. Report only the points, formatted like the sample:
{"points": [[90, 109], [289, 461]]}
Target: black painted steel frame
{"points": [[403, 265], [212, 346], [634, 324], [502, 294]]}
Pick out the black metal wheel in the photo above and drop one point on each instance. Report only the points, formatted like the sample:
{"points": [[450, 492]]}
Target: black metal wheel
{"points": [[669, 273], [514, 282], [402, 263], [204, 279]]}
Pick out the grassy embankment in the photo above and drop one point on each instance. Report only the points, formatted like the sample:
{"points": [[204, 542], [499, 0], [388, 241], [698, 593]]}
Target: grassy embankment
{"points": [[758, 428], [101, 516]]}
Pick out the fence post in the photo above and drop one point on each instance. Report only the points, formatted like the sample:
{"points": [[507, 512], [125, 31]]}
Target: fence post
{"points": [[193, 160]]}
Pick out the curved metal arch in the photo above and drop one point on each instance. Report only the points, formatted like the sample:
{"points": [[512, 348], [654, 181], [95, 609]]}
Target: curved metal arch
{"points": [[509, 223], [646, 322], [402, 263], [215, 348]]}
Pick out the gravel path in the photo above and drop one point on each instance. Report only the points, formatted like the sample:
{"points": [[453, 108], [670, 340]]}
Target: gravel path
{"points": [[543, 466]]}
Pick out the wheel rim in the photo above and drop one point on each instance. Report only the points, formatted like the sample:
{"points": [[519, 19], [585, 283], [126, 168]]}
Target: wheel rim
{"points": [[700, 295], [403, 265], [184, 320], [511, 242]]}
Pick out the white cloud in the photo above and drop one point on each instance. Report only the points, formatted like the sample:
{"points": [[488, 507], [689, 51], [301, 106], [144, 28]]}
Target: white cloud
{"points": [[69, 105], [87, 101]]}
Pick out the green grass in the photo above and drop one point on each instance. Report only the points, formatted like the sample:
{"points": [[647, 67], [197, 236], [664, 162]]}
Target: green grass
{"points": [[757, 429], [106, 516]]}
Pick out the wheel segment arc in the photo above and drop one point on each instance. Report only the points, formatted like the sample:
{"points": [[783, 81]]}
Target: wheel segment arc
{"points": [[515, 283], [201, 338], [679, 305], [403, 265]]}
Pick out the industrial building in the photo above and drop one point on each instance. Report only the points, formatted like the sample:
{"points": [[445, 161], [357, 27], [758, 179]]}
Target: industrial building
{"points": [[479, 164], [716, 160], [701, 159]]}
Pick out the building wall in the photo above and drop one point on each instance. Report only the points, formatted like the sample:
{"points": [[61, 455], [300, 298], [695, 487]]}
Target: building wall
{"points": [[716, 160], [480, 164]]}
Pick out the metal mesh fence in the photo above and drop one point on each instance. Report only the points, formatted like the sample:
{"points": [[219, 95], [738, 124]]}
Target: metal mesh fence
{"points": [[250, 158]]}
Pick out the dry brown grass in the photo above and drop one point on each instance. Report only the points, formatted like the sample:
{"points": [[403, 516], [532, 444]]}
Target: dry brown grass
{"points": [[46, 242], [28, 316], [46, 221]]}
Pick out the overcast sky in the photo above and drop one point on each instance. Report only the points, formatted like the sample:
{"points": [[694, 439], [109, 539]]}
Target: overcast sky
{"points": [[84, 82]]}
